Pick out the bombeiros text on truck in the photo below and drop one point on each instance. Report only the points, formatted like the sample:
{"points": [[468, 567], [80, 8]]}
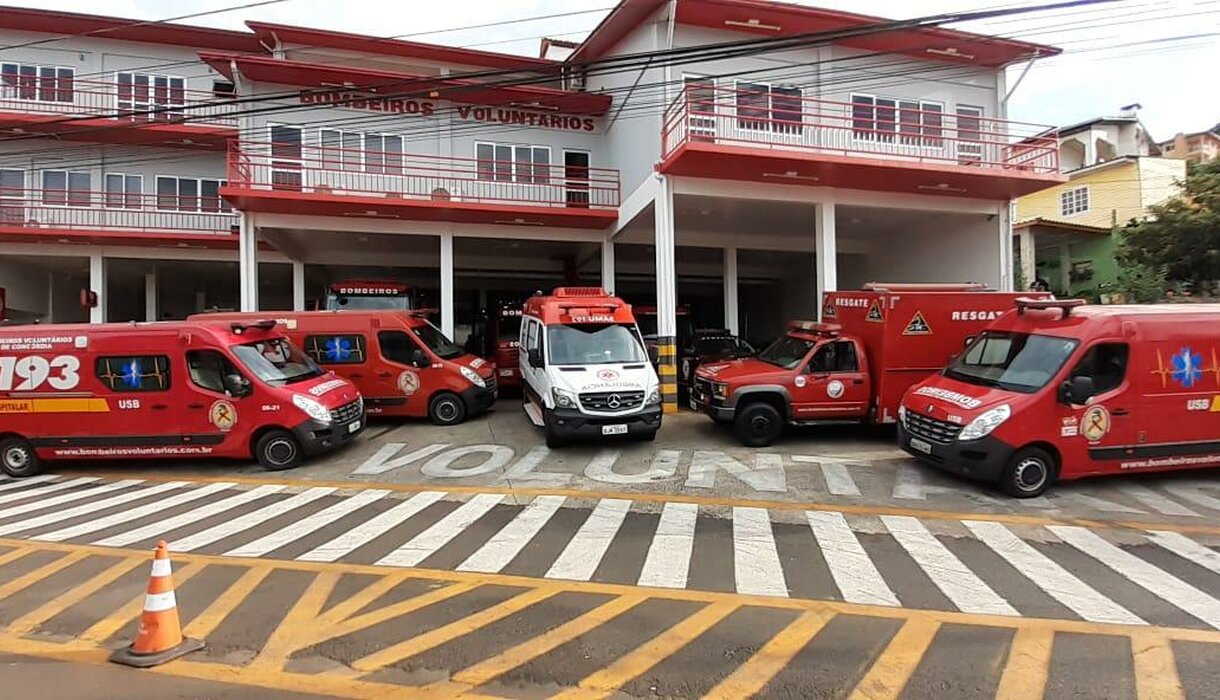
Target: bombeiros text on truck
{"points": [[180, 389], [1058, 390]]}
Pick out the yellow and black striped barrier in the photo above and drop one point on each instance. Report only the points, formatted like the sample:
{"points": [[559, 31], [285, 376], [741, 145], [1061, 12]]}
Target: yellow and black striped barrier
{"points": [[667, 371]]}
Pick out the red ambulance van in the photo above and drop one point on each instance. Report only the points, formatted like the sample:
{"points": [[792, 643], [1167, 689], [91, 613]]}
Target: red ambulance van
{"points": [[875, 344], [1057, 390], [187, 389], [402, 364]]}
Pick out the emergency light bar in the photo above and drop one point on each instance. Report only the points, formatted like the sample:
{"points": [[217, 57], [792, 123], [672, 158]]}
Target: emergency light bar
{"points": [[568, 292], [829, 329], [238, 327], [1065, 305], [905, 287]]}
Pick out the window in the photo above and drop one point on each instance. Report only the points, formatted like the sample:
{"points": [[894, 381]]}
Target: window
{"points": [[701, 105], [1074, 201], [531, 336], [970, 134], [64, 188], [12, 196], [286, 157], [340, 150], [22, 81], [916, 122], [839, 356], [397, 346], [124, 191], [208, 369], [383, 154], [1012, 361], [138, 373], [276, 361], [512, 163], [145, 92], [764, 107], [335, 349], [223, 90], [1105, 364], [189, 194], [874, 118]]}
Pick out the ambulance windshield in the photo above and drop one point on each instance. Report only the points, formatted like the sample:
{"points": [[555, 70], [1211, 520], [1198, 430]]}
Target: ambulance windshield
{"points": [[1013, 361], [436, 341], [786, 352], [276, 361], [594, 344]]}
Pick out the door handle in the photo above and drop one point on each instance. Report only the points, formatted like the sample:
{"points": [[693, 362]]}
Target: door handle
{"points": [[384, 375], [1120, 411], [159, 406], [356, 375], [857, 381], [194, 405]]}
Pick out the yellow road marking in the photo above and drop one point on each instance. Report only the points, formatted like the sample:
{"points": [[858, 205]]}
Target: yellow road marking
{"points": [[1156, 673], [753, 675], [13, 555], [1029, 665], [621, 672], [389, 612], [300, 619], [49, 569], [891, 671], [104, 628], [26, 623], [207, 621], [434, 638], [715, 501], [355, 603]]}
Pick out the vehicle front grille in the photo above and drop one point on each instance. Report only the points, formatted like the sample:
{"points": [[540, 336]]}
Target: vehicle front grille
{"points": [[932, 429], [703, 387], [346, 413], [490, 383], [612, 400]]}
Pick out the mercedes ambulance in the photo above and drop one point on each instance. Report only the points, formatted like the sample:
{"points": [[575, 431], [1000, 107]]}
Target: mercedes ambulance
{"points": [[584, 368], [1058, 390], [402, 364], [183, 389]]}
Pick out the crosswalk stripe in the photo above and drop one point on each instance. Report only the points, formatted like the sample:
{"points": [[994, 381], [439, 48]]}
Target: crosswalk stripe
{"points": [[249, 520], [426, 543], [756, 566], [668, 561], [959, 584], [580, 559], [506, 544], [834, 471], [850, 566], [163, 527], [1187, 548], [908, 483], [376, 527], [24, 483], [42, 490], [1192, 494], [130, 514], [1156, 501], [1049, 576], [296, 530], [86, 508], [83, 494], [1160, 583], [1101, 504]]}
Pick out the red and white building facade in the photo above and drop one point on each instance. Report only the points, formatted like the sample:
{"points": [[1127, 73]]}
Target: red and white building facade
{"points": [[171, 169]]}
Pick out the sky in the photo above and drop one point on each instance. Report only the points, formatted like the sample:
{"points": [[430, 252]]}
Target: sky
{"points": [[1161, 54]]}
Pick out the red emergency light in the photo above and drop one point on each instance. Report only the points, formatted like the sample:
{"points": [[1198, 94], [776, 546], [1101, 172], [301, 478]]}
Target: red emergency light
{"points": [[827, 329], [1065, 305], [239, 327], [916, 287]]}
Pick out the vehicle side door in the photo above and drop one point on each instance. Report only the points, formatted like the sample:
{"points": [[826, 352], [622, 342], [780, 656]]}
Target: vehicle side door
{"points": [[835, 384], [347, 355], [404, 369], [1101, 409], [141, 406], [221, 408], [533, 378]]}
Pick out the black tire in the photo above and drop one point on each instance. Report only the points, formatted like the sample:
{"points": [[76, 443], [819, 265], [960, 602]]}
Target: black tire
{"points": [[758, 424], [278, 450], [17, 458], [553, 438], [446, 408], [649, 436], [1029, 473]]}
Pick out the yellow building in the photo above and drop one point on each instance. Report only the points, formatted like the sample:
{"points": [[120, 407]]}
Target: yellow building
{"points": [[1065, 234]]}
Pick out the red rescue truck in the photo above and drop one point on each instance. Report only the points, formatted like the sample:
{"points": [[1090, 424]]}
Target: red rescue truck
{"points": [[402, 364], [1057, 390], [183, 389], [367, 294], [856, 365], [504, 331]]}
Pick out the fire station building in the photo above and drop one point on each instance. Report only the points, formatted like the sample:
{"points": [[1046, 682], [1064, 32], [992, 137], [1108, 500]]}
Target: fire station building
{"points": [[172, 169]]}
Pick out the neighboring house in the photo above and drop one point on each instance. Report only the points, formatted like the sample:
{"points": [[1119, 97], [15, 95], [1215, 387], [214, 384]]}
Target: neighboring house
{"points": [[1104, 138], [1195, 148]]}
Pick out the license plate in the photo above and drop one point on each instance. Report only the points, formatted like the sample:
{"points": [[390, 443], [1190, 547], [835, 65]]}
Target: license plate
{"points": [[353, 427], [614, 430], [506, 373], [920, 446], [694, 405]]}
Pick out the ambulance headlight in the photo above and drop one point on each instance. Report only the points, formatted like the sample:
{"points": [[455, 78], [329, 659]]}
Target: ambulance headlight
{"points": [[902, 415], [982, 426], [563, 398], [654, 397], [312, 408], [473, 376]]}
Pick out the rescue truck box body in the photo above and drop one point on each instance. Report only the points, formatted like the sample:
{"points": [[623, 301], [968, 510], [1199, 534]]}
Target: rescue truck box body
{"points": [[584, 367], [402, 364], [874, 344], [506, 341], [1062, 390], [156, 390]]}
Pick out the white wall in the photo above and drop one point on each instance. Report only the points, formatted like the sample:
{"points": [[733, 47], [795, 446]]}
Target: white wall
{"points": [[962, 248]]}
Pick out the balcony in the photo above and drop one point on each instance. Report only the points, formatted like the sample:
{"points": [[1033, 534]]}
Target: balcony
{"points": [[903, 146], [99, 217], [159, 113], [325, 181]]}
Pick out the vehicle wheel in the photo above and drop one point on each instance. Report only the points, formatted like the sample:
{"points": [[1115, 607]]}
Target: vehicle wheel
{"points": [[553, 438], [649, 436], [446, 409], [758, 424], [277, 450], [1030, 473], [17, 458]]}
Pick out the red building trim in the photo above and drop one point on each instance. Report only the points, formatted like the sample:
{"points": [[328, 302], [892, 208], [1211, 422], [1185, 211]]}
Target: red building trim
{"points": [[172, 34]]}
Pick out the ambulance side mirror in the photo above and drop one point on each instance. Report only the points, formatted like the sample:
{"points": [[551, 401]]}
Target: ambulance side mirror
{"points": [[419, 359], [653, 355], [237, 386], [1076, 391]]}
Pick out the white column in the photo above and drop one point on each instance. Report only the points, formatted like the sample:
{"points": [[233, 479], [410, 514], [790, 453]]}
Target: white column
{"points": [[298, 285], [50, 317], [825, 257], [1003, 221], [730, 290], [667, 294], [1029, 269], [1065, 268], [201, 301], [97, 283], [247, 267], [608, 265], [150, 296], [447, 284]]}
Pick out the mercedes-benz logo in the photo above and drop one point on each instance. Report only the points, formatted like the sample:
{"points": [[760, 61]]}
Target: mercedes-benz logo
{"points": [[614, 401]]}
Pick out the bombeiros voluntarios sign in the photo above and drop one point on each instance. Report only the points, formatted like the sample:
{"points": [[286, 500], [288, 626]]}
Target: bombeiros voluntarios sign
{"points": [[426, 108]]}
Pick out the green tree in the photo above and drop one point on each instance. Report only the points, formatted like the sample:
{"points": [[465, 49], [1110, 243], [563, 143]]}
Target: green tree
{"points": [[1182, 235]]}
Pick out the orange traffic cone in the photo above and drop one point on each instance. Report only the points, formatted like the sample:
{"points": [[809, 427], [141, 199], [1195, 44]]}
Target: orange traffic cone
{"points": [[160, 637]]}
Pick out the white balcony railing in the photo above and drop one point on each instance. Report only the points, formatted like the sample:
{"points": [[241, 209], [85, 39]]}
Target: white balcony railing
{"points": [[126, 102], [114, 212]]}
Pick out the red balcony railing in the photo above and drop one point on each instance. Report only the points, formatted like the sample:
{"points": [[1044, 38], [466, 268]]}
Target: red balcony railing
{"points": [[891, 129], [404, 176], [114, 212], [157, 102]]}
